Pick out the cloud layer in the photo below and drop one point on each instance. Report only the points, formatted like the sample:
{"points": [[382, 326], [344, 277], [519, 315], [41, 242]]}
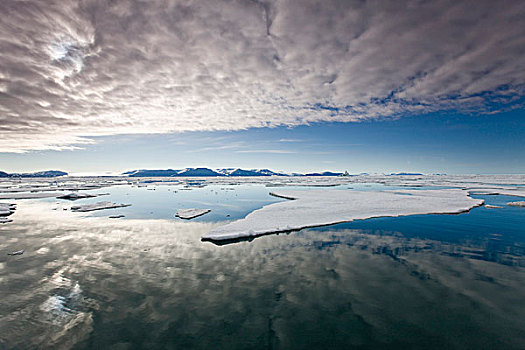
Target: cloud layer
{"points": [[74, 69]]}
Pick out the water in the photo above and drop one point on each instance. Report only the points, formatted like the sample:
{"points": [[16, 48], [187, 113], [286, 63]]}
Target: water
{"points": [[227, 202], [162, 202], [88, 282]]}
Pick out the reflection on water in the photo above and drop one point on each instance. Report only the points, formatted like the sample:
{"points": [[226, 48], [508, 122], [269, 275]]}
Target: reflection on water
{"points": [[97, 283], [227, 202], [486, 234], [162, 202]]}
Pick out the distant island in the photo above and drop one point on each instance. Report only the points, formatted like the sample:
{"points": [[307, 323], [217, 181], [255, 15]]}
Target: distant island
{"points": [[206, 172], [45, 173], [406, 174], [197, 172]]}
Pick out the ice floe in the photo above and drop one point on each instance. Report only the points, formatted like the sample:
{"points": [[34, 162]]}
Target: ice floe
{"points": [[58, 185], [488, 206], [18, 252], [7, 209], [517, 192], [97, 206], [32, 195], [305, 184], [191, 213], [310, 208], [517, 204], [75, 195]]}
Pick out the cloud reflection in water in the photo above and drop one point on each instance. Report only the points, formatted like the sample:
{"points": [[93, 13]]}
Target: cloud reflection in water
{"points": [[95, 283]]}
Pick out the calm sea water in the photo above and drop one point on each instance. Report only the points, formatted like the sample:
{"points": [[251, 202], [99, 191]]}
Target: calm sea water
{"points": [[148, 282]]}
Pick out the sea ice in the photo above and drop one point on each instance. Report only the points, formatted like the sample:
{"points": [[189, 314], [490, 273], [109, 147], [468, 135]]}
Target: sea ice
{"points": [[191, 213], [304, 184], [7, 209], [488, 206], [116, 216], [18, 252], [517, 192], [325, 207], [75, 195], [517, 204], [32, 195], [98, 206]]}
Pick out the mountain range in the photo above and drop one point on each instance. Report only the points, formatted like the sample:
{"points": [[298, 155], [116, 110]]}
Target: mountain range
{"points": [[46, 173], [205, 172], [194, 172]]}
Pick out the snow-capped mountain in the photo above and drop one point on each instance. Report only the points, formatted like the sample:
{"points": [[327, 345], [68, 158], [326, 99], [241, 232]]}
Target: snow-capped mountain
{"points": [[198, 172], [45, 173]]}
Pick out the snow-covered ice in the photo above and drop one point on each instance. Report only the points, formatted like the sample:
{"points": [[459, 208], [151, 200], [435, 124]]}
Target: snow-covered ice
{"points": [[7, 209], [75, 195], [98, 206], [517, 204], [191, 213], [517, 192], [324, 207], [32, 195], [305, 184], [488, 206], [18, 252]]}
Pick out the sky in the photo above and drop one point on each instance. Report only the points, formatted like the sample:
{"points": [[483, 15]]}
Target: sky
{"points": [[101, 87]]}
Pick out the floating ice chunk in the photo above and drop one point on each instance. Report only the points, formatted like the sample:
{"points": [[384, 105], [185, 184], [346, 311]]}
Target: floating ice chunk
{"points": [[304, 184], [32, 195], [7, 209], [517, 204], [98, 206], [325, 207], [488, 206], [517, 192], [18, 252], [75, 195], [116, 216], [191, 213]]}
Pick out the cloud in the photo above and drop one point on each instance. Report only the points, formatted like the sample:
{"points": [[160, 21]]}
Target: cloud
{"points": [[75, 69], [219, 147], [274, 151], [290, 140]]}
